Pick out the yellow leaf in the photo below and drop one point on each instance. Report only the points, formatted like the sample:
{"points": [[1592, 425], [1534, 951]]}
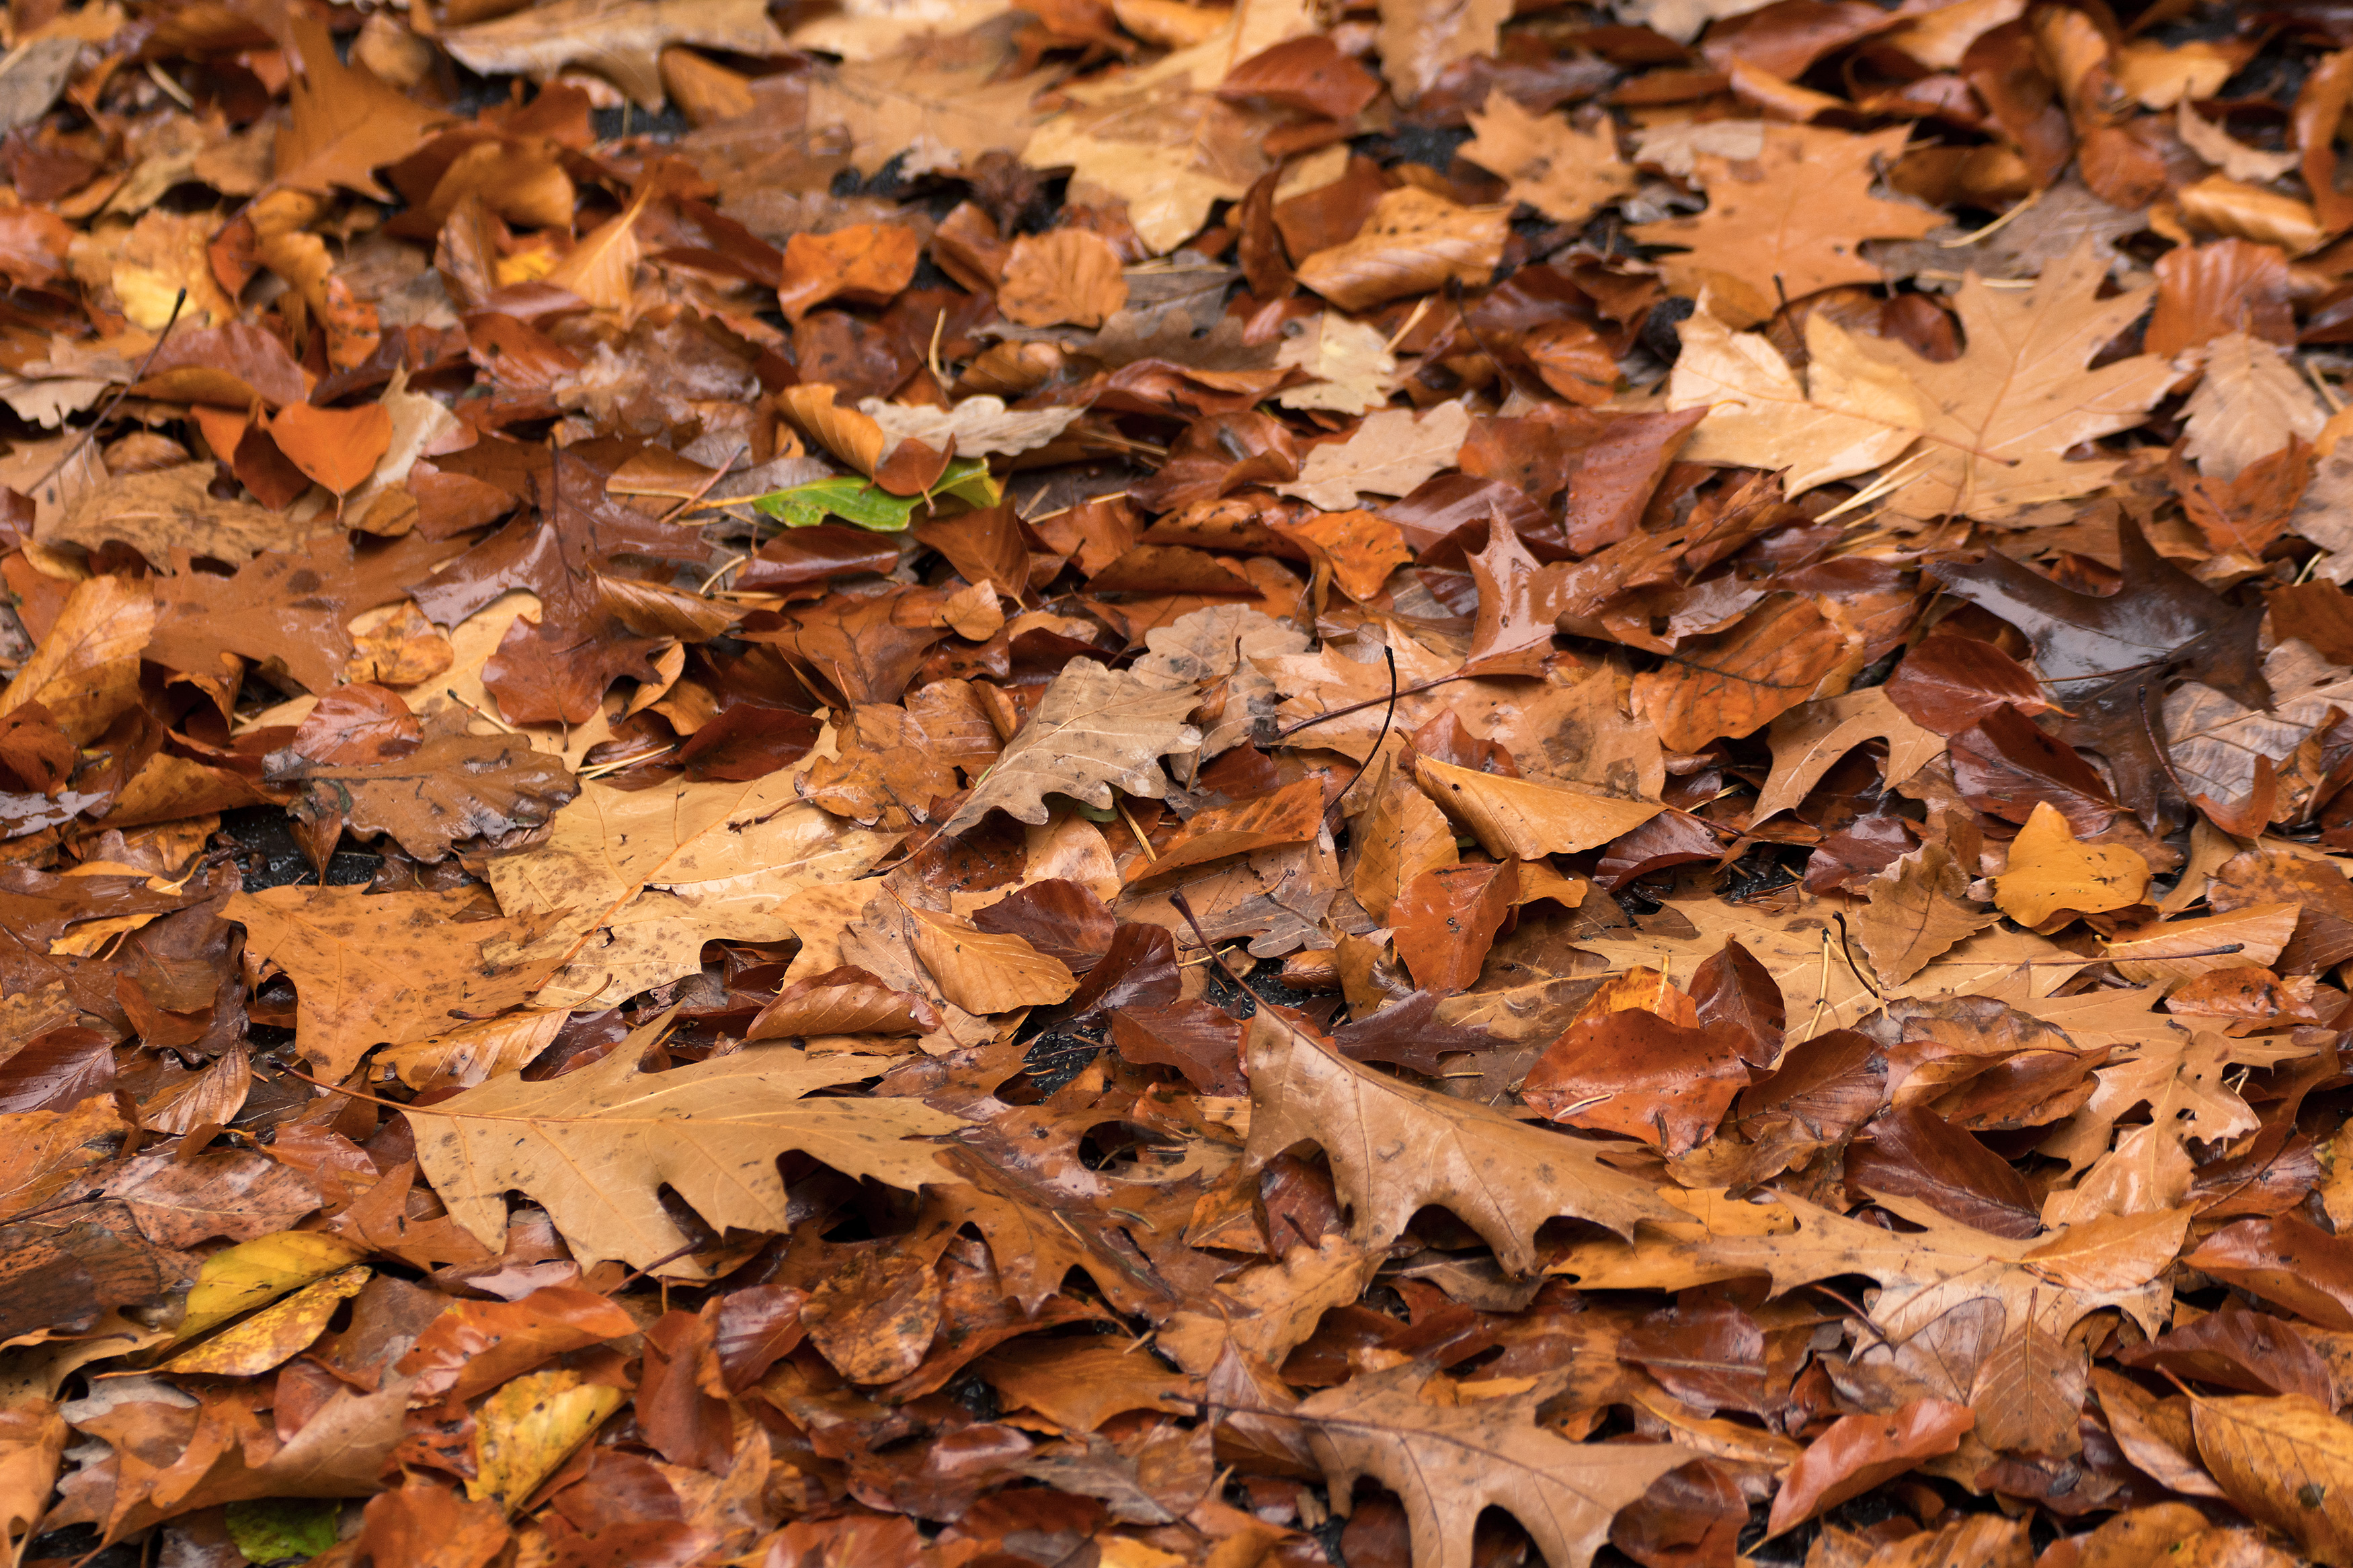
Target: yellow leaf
{"points": [[2050, 871], [274, 1334], [1523, 819], [986, 972], [529, 1428], [252, 1273]]}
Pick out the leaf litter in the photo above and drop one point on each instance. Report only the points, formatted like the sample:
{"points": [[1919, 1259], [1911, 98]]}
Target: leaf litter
{"points": [[1160, 784]]}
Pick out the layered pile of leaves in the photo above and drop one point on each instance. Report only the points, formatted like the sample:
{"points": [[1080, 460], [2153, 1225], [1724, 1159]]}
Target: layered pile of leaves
{"points": [[1141, 784]]}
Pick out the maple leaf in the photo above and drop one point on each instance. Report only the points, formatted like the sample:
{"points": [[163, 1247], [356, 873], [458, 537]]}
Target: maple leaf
{"points": [[1390, 454], [2214, 740], [343, 124], [1561, 171], [616, 39], [1787, 224], [2103, 657], [1092, 729], [641, 880], [379, 969], [1852, 414], [2002, 417], [1395, 1148], [452, 785], [595, 1146], [942, 102], [291, 606], [1448, 1458], [1172, 154], [155, 511], [2250, 403]]}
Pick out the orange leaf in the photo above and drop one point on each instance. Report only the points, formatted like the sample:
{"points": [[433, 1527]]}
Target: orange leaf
{"points": [[339, 448], [868, 262]]}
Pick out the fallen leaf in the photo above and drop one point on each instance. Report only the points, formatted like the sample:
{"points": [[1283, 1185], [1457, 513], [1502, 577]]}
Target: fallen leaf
{"points": [[1852, 415], [618, 39], [1395, 1148], [1563, 172], [2050, 871], [1787, 223], [1390, 454], [1412, 241], [710, 1133], [1448, 1461], [1093, 728], [1066, 275]]}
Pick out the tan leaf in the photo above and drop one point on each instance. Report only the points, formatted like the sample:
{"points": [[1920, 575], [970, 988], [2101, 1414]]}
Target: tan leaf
{"points": [[2175, 950], [1063, 275], [453, 785], [867, 263], [1413, 242], [1353, 369], [1561, 171], [2226, 152], [939, 101], [1388, 453], [1092, 729], [987, 971], [1852, 415], [1270, 1310], [594, 1147], [2050, 871], [1448, 1459], [978, 425], [378, 969], [603, 268], [2029, 1393], [1420, 39], [1395, 1147], [1922, 1274], [1360, 549], [622, 39], [1521, 819], [844, 1001], [1402, 836], [1732, 683], [2252, 401], [2287, 1462], [2002, 417], [1787, 224], [164, 507], [1917, 911], [1808, 741], [1171, 155], [341, 122], [854, 436], [1292, 814], [643, 879]]}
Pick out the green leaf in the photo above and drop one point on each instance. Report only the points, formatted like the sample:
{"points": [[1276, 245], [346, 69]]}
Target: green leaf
{"points": [[282, 1529], [867, 504]]}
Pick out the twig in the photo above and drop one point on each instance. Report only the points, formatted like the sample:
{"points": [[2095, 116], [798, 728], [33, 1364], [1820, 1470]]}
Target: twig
{"points": [[179, 303], [1387, 717]]}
